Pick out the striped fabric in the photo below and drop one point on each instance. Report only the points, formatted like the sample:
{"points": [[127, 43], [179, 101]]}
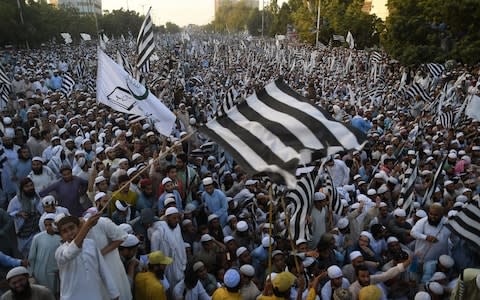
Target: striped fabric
{"points": [[80, 69], [375, 57], [417, 90], [276, 129], [67, 85], [435, 69], [407, 191], [446, 119], [145, 42], [334, 201], [122, 60], [227, 103], [466, 223], [5, 91], [302, 199], [436, 179], [4, 79]]}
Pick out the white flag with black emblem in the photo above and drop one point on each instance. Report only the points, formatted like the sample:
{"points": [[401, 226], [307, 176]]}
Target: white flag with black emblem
{"points": [[119, 90]]}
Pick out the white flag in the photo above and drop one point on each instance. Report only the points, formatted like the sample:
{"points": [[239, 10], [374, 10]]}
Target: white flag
{"points": [[85, 36], [473, 107], [66, 37], [117, 89], [350, 40]]}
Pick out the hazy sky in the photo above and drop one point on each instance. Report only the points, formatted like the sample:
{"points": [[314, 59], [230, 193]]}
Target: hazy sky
{"points": [[181, 12]]}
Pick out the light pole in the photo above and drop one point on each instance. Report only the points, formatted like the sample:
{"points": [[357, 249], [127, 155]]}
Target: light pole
{"points": [[318, 23], [263, 15]]}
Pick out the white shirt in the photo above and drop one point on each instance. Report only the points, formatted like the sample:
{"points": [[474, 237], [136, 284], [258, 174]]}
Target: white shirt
{"points": [[340, 173], [43, 180], [430, 251], [83, 272]]}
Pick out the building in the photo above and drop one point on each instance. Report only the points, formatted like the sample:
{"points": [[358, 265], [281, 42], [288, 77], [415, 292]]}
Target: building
{"points": [[84, 7], [376, 7]]}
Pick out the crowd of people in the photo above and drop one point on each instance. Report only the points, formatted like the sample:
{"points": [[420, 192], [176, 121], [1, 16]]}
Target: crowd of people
{"points": [[95, 204]]}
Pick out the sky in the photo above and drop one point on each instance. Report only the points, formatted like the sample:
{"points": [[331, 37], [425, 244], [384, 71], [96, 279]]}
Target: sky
{"points": [[180, 12]]}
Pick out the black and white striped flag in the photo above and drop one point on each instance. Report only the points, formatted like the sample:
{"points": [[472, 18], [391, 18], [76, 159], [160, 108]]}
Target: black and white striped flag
{"points": [[407, 191], [435, 181], [67, 85], [5, 91], [4, 79], [417, 90], [302, 199], [446, 119], [435, 69], [122, 60], [276, 129], [466, 223], [375, 57], [80, 69], [145, 42], [334, 201], [227, 103]]}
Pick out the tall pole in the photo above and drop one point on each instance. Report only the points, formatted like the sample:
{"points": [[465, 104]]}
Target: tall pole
{"points": [[263, 15], [318, 23], [20, 12]]}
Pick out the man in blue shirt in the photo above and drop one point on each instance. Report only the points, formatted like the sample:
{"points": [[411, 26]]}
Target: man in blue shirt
{"points": [[215, 200]]}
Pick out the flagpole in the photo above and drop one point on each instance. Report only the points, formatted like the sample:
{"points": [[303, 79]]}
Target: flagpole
{"points": [[318, 23]]}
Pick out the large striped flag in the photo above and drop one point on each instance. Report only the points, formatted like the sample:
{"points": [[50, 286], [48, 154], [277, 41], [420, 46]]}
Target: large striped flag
{"points": [[334, 201], [446, 119], [4, 79], [276, 129], [466, 223], [227, 104], [417, 90], [145, 42], [302, 199], [67, 85], [407, 191], [435, 69], [435, 181]]}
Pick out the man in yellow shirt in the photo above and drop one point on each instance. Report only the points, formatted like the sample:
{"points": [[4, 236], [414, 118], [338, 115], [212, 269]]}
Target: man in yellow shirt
{"points": [[231, 290], [149, 285], [281, 284]]}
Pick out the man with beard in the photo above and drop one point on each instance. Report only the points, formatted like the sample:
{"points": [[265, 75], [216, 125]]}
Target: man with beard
{"points": [[152, 285], [34, 142], [167, 237], [365, 279], [42, 254], [431, 234], [25, 209], [41, 175], [50, 207], [68, 191], [146, 199], [128, 251], [214, 200], [23, 166], [169, 191], [20, 287]]}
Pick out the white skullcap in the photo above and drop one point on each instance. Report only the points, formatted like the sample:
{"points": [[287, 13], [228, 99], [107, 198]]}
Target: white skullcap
{"points": [[447, 182], [166, 180], [207, 181], [371, 192], [392, 239], [266, 241], [136, 156], [123, 160], [382, 189], [212, 217], [300, 241], [250, 182], [171, 211], [383, 204], [231, 278], [462, 198], [240, 251], [349, 187], [422, 296], [452, 155], [399, 212], [438, 276], [420, 214], [130, 241], [16, 272], [228, 238], [344, 203], [126, 227], [334, 272], [197, 266], [435, 288], [446, 261], [242, 226], [99, 195], [100, 179], [357, 177], [355, 254], [206, 238], [342, 223], [319, 196], [121, 205], [392, 180], [247, 270], [48, 200], [38, 158]]}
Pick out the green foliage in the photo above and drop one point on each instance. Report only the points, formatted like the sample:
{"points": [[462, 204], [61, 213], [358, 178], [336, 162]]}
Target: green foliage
{"points": [[172, 27]]}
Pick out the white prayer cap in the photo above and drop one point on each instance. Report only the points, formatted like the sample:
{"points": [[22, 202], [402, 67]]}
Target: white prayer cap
{"points": [[420, 214], [344, 203], [136, 156], [168, 200], [371, 192], [206, 238], [357, 177], [230, 217], [366, 234], [334, 272], [99, 196], [126, 227], [383, 204], [355, 206], [100, 179], [48, 200], [355, 254], [197, 266], [300, 241], [435, 287], [411, 152], [452, 155], [446, 261], [462, 198], [422, 296], [212, 217], [342, 223], [189, 208], [379, 176], [319, 196], [399, 212], [166, 180], [242, 226], [7, 120], [99, 150], [392, 180], [382, 189], [50, 216], [108, 149], [16, 272], [130, 241], [38, 158], [276, 252], [247, 270], [349, 187], [361, 182], [447, 182], [392, 239], [240, 251], [123, 160], [250, 182], [207, 181], [438, 276], [266, 241], [62, 131], [150, 133], [121, 205], [228, 238], [171, 211], [452, 213]]}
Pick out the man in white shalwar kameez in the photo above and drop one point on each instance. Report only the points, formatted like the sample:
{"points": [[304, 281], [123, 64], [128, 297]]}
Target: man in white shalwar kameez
{"points": [[83, 271], [166, 236], [108, 237]]}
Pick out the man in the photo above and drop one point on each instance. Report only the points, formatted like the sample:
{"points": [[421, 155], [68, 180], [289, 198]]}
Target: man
{"points": [[215, 201], [398, 226], [26, 209], [128, 251], [8, 180], [336, 281], [187, 178], [231, 279], [125, 194], [169, 191], [318, 218], [83, 271], [167, 237], [150, 285], [431, 234], [34, 142], [338, 170], [209, 252], [42, 176], [50, 207], [207, 280], [365, 279], [21, 289], [146, 198], [247, 193], [69, 189], [42, 254]]}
